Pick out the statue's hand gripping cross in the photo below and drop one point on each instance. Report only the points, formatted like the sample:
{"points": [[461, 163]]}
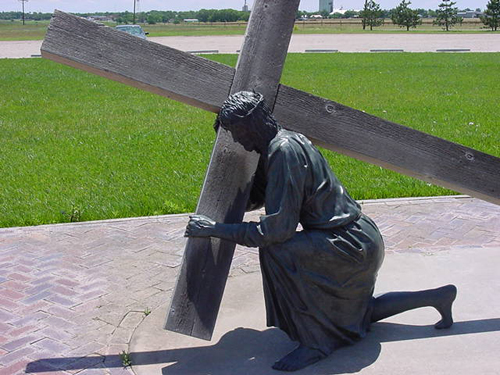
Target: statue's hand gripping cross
{"points": [[206, 84]]}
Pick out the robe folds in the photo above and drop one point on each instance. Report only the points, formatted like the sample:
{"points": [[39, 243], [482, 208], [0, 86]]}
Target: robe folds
{"points": [[318, 281]]}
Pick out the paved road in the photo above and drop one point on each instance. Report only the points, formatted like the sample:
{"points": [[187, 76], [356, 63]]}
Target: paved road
{"points": [[300, 43], [72, 295]]}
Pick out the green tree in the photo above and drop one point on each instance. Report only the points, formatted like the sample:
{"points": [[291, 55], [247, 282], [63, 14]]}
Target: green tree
{"points": [[228, 15], [371, 15], [142, 16], [325, 14], [125, 17], [300, 13], [491, 16], [204, 15], [432, 13], [244, 16], [188, 14], [153, 17], [403, 16], [350, 14], [447, 15]]}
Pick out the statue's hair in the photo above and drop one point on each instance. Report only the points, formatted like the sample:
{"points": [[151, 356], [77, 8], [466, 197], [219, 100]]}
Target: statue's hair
{"points": [[240, 105], [249, 108]]}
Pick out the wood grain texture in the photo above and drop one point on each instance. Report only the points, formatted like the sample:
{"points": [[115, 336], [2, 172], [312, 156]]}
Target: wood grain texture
{"points": [[206, 263], [125, 58], [390, 145]]}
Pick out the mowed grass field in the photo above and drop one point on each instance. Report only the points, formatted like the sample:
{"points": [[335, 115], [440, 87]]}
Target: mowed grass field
{"points": [[35, 30], [15, 30], [345, 26], [74, 146]]}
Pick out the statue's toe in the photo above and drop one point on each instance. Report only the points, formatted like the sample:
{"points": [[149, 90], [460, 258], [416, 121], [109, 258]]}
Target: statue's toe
{"points": [[299, 358]]}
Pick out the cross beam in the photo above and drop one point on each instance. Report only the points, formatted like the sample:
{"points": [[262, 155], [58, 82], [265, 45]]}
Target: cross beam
{"points": [[206, 84]]}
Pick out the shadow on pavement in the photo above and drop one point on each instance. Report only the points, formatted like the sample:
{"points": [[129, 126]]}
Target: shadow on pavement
{"points": [[243, 351]]}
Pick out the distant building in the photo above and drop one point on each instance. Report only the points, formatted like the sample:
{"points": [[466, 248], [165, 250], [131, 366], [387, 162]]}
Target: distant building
{"points": [[326, 5], [343, 11], [191, 20], [340, 11], [470, 14], [100, 18], [245, 7]]}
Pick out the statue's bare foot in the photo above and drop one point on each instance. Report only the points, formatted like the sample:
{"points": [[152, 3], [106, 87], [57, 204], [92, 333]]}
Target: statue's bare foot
{"points": [[448, 295], [300, 357]]}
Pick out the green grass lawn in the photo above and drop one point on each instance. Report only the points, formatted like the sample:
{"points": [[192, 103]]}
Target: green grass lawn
{"points": [[35, 30], [15, 30], [317, 27], [74, 146]]}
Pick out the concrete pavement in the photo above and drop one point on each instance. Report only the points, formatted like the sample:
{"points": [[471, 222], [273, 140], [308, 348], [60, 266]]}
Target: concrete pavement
{"points": [[479, 42], [408, 343], [75, 296], [347, 42]]}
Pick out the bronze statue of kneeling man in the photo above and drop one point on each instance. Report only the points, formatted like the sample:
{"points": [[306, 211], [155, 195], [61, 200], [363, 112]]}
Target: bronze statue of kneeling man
{"points": [[318, 282]]}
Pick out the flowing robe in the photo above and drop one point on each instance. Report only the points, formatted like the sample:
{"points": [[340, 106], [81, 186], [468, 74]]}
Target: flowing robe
{"points": [[319, 281]]}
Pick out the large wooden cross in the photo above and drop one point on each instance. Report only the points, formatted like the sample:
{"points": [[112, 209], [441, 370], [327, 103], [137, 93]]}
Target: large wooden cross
{"points": [[205, 84]]}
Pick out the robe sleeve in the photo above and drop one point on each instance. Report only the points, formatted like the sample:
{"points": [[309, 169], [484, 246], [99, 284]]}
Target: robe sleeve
{"points": [[258, 192], [286, 176]]}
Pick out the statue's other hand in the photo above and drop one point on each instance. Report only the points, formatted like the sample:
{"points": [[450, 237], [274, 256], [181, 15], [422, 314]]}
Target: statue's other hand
{"points": [[199, 226]]}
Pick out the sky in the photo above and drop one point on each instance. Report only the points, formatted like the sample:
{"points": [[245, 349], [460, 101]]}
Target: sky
{"points": [[83, 6]]}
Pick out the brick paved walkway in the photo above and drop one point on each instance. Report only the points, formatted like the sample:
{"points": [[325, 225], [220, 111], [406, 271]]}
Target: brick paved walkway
{"points": [[71, 295]]}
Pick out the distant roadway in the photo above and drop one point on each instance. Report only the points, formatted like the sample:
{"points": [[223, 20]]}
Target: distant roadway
{"points": [[479, 42]]}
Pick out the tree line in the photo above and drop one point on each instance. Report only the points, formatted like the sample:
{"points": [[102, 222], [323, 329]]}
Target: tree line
{"points": [[446, 15], [202, 15], [35, 16], [151, 17], [371, 16], [385, 13]]}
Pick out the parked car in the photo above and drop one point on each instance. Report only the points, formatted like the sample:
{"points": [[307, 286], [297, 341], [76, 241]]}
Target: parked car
{"points": [[135, 30]]}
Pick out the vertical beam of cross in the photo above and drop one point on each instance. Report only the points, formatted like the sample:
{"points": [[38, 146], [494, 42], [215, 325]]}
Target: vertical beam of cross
{"points": [[225, 192]]}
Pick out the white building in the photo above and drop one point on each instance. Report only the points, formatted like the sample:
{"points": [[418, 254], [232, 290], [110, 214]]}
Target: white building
{"points": [[342, 11], [470, 14]]}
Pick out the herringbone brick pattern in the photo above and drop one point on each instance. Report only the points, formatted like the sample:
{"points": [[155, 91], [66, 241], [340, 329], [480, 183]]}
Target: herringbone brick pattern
{"points": [[71, 295]]}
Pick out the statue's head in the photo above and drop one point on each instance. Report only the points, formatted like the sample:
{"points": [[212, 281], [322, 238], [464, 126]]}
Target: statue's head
{"points": [[249, 120]]}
